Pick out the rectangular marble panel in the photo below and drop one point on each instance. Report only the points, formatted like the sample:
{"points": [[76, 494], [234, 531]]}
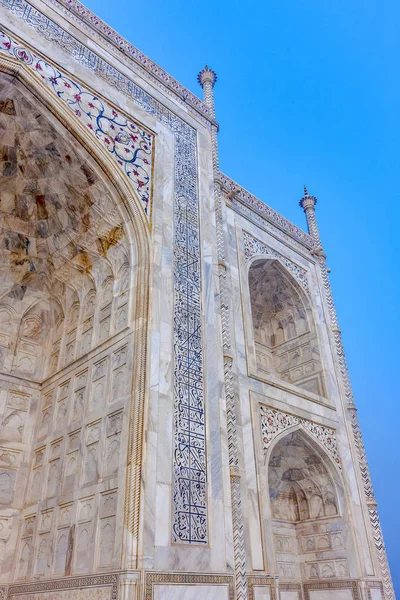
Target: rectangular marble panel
{"points": [[262, 592], [191, 592], [376, 594], [331, 594], [289, 595]]}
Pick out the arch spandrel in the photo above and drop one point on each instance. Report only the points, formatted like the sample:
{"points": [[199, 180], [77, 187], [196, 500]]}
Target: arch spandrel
{"points": [[76, 246]]}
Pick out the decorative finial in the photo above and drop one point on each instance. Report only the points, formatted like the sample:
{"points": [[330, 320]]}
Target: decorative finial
{"points": [[307, 201], [207, 75]]}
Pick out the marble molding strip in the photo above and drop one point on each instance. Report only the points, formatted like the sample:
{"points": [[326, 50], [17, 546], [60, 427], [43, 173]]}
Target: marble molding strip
{"points": [[190, 478], [110, 581], [261, 581], [259, 207], [99, 27]]}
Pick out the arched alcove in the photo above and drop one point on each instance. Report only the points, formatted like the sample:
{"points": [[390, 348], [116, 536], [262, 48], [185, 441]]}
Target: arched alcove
{"points": [[73, 273], [284, 332], [308, 510]]}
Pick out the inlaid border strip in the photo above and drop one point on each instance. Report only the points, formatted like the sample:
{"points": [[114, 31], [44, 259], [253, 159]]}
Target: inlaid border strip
{"points": [[152, 579], [375, 585], [261, 580], [87, 581], [332, 585]]}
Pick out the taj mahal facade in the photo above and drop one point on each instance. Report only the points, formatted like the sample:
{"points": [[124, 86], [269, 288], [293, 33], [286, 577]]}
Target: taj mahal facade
{"points": [[176, 415]]}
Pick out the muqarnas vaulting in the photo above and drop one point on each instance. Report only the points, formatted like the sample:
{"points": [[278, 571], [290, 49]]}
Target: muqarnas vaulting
{"points": [[176, 414]]}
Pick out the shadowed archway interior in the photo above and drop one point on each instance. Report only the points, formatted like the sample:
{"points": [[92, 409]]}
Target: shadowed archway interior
{"points": [[307, 509], [67, 274], [283, 326]]}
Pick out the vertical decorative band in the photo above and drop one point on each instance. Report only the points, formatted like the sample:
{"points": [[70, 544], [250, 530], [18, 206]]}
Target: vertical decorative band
{"points": [[308, 204], [190, 509]]}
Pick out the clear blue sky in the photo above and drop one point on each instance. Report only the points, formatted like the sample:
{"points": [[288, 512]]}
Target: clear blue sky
{"points": [[308, 92]]}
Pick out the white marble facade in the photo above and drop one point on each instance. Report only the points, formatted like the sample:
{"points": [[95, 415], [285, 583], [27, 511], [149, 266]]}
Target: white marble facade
{"points": [[175, 411]]}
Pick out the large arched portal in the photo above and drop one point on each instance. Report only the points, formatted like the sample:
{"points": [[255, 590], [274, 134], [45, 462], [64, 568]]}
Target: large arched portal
{"points": [[308, 511], [70, 269], [283, 325]]}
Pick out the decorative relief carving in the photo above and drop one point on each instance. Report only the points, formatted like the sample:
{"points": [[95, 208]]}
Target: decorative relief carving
{"points": [[84, 588], [325, 569], [253, 247], [274, 422], [129, 144], [106, 546], [7, 486], [287, 570], [4, 528]]}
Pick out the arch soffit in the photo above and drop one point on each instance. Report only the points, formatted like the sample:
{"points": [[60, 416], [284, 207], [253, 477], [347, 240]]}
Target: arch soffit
{"points": [[289, 277], [117, 182], [333, 468]]}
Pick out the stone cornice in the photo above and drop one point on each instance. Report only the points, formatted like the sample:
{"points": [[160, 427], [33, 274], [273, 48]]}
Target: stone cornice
{"points": [[234, 190], [153, 72]]}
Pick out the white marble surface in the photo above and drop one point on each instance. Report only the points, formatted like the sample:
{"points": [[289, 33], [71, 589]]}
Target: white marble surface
{"points": [[261, 592], [345, 594], [289, 595], [190, 592]]}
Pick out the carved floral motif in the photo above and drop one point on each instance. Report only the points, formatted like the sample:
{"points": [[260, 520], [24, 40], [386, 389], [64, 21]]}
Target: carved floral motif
{"points": [[274, 422], [253, 247], [129, 144]]}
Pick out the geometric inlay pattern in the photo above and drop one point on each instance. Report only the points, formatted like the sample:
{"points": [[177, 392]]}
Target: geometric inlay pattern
{"points": [[86, 582], [274, 422], [253, 247]]}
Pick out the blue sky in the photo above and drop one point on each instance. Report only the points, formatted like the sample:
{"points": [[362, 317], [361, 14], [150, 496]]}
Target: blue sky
{"points": [[309, 92]]}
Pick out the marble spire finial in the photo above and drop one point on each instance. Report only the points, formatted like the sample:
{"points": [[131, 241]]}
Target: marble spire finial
{"points": [[207, 75], [307, 201]]}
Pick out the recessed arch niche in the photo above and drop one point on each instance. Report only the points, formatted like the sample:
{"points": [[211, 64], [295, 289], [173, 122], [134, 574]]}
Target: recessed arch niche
{"points": [[284, 332], [308, 510], [73, 284]]}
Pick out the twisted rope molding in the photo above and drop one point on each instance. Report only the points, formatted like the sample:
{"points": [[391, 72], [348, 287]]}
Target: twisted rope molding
{"points": [[308, 204], [207, 79]]}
